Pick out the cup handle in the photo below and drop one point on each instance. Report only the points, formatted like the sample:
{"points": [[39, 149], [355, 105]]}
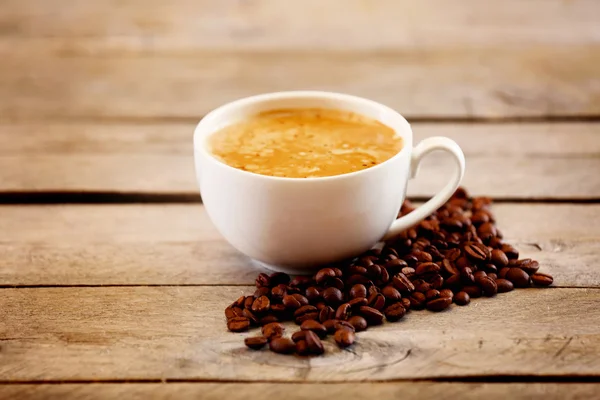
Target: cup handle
{"points": [[420, 213]]}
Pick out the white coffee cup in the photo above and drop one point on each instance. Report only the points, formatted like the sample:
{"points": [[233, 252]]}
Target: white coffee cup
{"points": [[296, 224]]}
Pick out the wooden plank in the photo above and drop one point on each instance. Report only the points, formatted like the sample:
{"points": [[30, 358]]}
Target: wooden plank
{"points": [[537, 160], [316, 391], [179, 333], [177, 244], [455, 82]]}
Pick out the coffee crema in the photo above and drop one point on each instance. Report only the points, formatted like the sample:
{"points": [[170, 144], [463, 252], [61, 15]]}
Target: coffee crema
{"points": [[305, 143]]}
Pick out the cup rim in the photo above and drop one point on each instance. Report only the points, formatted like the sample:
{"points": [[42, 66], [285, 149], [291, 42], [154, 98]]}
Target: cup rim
{"points": [[200, 143]]}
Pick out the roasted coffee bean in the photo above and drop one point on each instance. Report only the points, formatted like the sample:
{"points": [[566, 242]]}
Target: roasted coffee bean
{"points": [[365, 261], [489, 268], [528, 265], [291, 302], [452, 255], [422, 256], [358, 290], [282, 345], [238, 324], [298, 335], [357, 279], [439, 304], [248, 302], [232, 312], [263, 280], [305, 313], [402, 283], [301, 282], [373, 271], [499, 259], [314, 326], [480, 217], [377, 302], [405, 302], [251, 317], [467, 276], [326, 313], [312, 294], [427, 268], [422, 286], [372, 315], [446, 293], [336, 283], [302, 348], [510, 251], [357, 302], [267, 319], [278, 292], [278, 310], [462, 262], [488, 286], [391, 293], [320, 305], [358, 322], [261, 305], [432, 294], [436, 281], [502, 273], [324, 275], [479, 274], [473, 291], [384, 277], [417, 301], [493, 276], [357, 270], [448, 268], [256, 342], [394, 312], [540, 279], [333, 296], [395, 266], [273, 330], [343, 325], [477, 252], [279, 278], [330, 325], [454, 283], [315, 346], [518, 277], [338, 272], [504, 285], [462, 298], [343, 312], [262, 291], [344, 338], [239, 302], [408, 272], [487, 231]]}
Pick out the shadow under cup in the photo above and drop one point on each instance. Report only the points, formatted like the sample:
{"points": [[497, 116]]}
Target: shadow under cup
{"points": [[297, 224]]}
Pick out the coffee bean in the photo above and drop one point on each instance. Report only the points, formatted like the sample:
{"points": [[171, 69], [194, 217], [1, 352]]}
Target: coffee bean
{"points": [[232, 312], [326, 313], [301, 282], [432, 294], [305, 313], [251, 317], [504, 285], [462, 298], [422, 256], [298, 335], [239, 302], [488, 286], [528, 265], [452, 255], [321, 305], [372, 315], [356, 270], [394, 312], [343, 312], [405, 303], [479, 274], [357, 302], [384, 277], [436, 281], [402, 283], [510, 251], [315, 346], [499, 259], [316, 327], [278, 310], [344, 338], [262, 291], [448, 268], [261, 305], [377, 302], [518, 277], [446, 293], [238, 324], [336, 283], [454, 283], [343, 325], [248, 302], [439, 304], [358, 322], [279, 278], [256, 342], [358, 290], [330, 325], [333, 296], [473, 291], [278, 292], [302, 348], [290, 302], [391, 293], [395, 266], [282, 345], [408, 272], [262, 280], [462, 262], [467, 276], [324, 275], [493, 276], [267, 319], [312, 294], [421, 286], [417, 301], [273, 330], [540, 279], [357, 279], [480, 217], [477, 252], [427, 268]]}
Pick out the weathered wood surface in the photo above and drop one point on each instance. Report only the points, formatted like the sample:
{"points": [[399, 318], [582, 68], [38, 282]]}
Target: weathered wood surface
{"points": [[293, 391], [177, 244], [503, 160], [181, 59], [179, 333]]}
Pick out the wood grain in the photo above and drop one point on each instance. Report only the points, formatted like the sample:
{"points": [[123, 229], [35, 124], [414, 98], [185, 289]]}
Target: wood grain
{"points": [[179, 333], [316, 391], [503, 160], [177, 244]]}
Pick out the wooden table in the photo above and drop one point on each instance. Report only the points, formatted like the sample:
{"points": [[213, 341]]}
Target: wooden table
{"points": [[113, 280]]}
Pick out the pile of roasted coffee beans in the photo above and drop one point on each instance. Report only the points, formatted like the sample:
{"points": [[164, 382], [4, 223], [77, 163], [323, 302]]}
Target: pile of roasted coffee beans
{"points": [[454, 255]]}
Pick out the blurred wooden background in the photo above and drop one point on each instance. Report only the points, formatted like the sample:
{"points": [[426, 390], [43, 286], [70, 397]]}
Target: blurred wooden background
{"points": [[98, 101]]}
